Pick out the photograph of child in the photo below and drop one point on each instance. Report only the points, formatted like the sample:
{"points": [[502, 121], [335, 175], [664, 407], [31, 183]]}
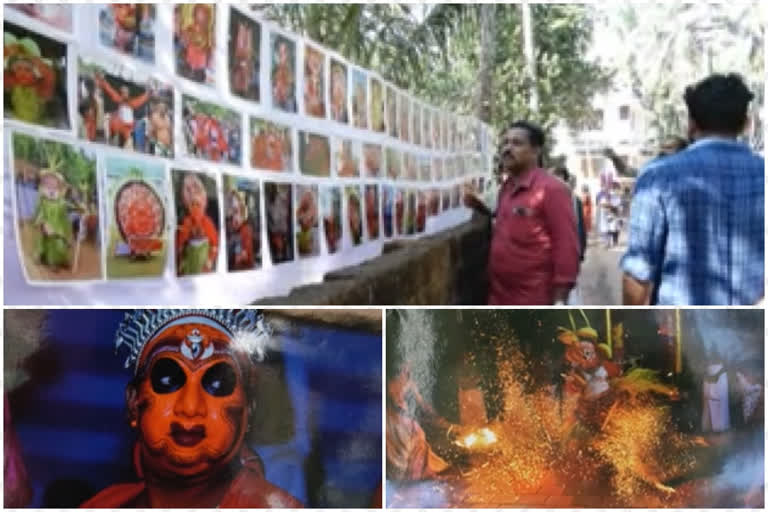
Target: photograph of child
{"points": [[242, 203], [283, 74], [129, 29], [244, 55], [196, 200], [57, 209], [330, 201], [314, 82], [279, 208], [194, 41], [211, 132], [307, 221], [271, 146]]}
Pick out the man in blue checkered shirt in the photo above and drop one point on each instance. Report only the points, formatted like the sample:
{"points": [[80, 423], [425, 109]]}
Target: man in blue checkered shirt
{"points": [[697, 220]]}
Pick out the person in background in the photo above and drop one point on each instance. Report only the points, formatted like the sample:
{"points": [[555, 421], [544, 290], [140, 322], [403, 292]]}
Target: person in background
{"points": [[534, 256], [586, 202], [696, 230], [570, 181]]}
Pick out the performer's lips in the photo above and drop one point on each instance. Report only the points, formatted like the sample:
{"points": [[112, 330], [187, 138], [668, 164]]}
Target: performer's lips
{"points": [[187, 437]]}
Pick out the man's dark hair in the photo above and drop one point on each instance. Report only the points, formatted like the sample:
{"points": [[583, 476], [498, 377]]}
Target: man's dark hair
{"points": [[535, 134], [562, 173], [718, 104]]}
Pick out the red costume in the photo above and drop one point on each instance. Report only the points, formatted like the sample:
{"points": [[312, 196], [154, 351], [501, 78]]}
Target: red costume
{"points": [[121, 121]]}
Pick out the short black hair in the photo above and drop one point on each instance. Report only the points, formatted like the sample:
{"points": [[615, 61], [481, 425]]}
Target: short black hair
{"points": [[535, 133], [719, 103], [562, 173]]}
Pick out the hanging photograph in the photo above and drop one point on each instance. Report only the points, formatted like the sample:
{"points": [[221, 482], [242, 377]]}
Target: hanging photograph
{"points": [[339, 88], [278, 203], [129, 29], [56, 15], [196, 202], [391, 111], [354, 214], [271, 146], [445, 203], [330, 201], [314, 82], [242, 204], [437, 165], [400, 199], [314, 154], [372, 211], [124, 109], [372, 160], [137, 208], [416, 123], [411, 164], [283, 73], [410, 211], [194, 41], [421, 211], [456, 196], [436, 130], [34, 78], [244, 56], [426, 132], [57, 209], [211, 132], [425, 169], [393, 163], [388, 209], [307, 221], [359, 99], [377, 106], [404, 117], [433, 202], [347, 157]]}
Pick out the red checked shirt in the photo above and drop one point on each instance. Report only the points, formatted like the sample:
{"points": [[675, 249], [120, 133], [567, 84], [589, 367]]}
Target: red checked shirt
{"points": [[535, 245]]}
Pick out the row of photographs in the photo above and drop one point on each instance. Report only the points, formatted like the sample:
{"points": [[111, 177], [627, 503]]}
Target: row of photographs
{"points": [[119, 105], [62, 192], [421, 409]]}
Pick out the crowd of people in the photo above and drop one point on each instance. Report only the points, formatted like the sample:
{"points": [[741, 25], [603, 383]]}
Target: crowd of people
{"points": [[694, 218]]}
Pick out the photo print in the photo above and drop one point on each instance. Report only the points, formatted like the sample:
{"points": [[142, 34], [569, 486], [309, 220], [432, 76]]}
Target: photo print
{"points": [[404, 117], [137, 235], [372, 160], [400, 200], [411, 165], [388, 209], [124, 109], [57, 209], [194, 41], [244, 56], [433, 202], [416, 139], [307, 221], [271, 146], [410, 211], [445, 203], [283, 73], [359, 99], [354, 214], [314, 154], [347, 157], [421, 211], [330, 202], [377, 106], [391, 112], [437, 165], [426, 132], [129, 29], [425, 169], [278, 203], [242, 204], [314, 82], [372, 209], [34, 78], [56, 15], [339, 95], [196, 200], [393, 163], [211, 132]]}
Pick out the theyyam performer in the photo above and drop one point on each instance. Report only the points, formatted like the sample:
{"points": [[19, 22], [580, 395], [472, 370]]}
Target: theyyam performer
{"points": [[189, 403]]}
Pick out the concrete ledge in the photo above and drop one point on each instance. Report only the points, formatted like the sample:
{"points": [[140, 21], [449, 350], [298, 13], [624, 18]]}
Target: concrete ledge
{"points": [[443, 269]]}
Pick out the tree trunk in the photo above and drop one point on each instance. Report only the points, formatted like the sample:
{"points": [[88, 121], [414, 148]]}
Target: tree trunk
{"points": [[487, 55]]}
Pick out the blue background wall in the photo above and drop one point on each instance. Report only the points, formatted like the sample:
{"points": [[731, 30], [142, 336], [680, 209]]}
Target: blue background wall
{"points": [[70, 418]]}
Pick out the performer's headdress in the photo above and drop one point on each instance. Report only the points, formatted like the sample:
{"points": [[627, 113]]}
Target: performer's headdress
{"points": [[247, 330]]}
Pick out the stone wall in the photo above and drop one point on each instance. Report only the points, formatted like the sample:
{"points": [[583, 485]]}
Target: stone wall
{"points": [[446, 268]]}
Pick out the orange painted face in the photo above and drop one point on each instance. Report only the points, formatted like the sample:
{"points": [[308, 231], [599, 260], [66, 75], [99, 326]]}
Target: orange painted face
{"points": [[192, 407]]}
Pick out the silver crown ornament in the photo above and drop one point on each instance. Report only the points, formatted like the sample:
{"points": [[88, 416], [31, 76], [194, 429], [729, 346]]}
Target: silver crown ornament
{"points": [[141, 325]]}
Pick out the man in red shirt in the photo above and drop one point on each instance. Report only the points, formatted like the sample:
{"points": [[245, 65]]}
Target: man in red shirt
{"points": [[534, 257]]}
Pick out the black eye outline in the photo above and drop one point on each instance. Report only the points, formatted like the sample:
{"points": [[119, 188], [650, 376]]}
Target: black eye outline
{"points": [[220, 380], [167, 376]]}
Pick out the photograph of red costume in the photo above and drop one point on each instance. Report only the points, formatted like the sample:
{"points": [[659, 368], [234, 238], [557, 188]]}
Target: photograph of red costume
{"points": [[372, 208], [271, 146], [314, 154], [56, 15], [372, 160], [283, 74], [393, 163], [34, 78], [243, 223], [314, 82], [244, 55], [123, 113], [346, 155], [188, 408], [576, 409], [194, 41], [307, 221], [339, 96], [279, 207], [354, 214], [330, 201], [359, 99], [211, 132], [197, 232], [129, 29]]}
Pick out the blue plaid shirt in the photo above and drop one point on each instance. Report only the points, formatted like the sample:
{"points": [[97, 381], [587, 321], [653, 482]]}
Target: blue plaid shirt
{"points": [[696, 226]]}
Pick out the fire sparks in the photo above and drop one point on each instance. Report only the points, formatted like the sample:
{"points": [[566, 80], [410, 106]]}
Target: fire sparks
{"points": [[481, 438]]}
